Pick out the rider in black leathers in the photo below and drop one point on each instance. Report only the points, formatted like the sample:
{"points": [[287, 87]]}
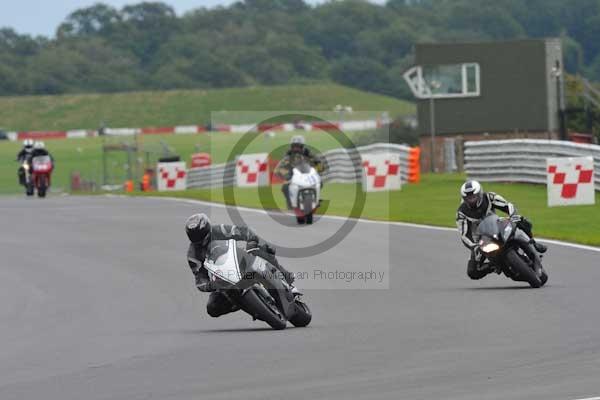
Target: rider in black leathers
{"points": [[39, 149], [200, 233], [296, 153], [24, 156], [476, 205]]}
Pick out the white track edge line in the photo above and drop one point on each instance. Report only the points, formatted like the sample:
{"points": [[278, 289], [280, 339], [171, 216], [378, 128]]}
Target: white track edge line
{"points": [[366, 221], [590, 398]]}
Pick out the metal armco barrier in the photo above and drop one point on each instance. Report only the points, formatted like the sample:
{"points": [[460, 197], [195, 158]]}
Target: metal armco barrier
{"points": [[522, 160], [344, 165], [347, 126]]}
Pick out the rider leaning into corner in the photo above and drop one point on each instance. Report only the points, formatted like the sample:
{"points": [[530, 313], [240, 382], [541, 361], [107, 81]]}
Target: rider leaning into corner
{"points": [[297, 152], [200, 233], [476, 204]]}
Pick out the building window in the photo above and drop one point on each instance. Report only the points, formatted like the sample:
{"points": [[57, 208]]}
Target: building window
{"points": [[445, 81]]}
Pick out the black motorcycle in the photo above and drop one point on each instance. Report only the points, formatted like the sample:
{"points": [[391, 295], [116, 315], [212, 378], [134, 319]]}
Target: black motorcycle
{"points": [[254, 285], [509, 250]]}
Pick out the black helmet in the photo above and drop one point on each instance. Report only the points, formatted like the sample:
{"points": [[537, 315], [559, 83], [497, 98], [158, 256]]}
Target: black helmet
{"points": [[472, 194], [197, 227]]}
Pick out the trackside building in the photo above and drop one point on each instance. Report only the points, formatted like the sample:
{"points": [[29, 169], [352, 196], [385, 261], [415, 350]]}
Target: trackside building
{"points": [[492, 90]]}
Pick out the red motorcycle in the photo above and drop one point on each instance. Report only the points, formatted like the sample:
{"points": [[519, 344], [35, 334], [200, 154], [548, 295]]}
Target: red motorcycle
{"points": [[41, 169]]}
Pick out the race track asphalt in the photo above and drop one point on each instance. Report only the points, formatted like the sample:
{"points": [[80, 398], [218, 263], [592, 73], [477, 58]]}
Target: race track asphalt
{"points": [[97, 302]]}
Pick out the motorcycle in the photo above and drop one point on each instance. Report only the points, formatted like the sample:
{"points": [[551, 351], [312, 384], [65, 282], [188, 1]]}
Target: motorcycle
{"points": [[508, 249], [25, 176], [41, 169], [305, 192], [253, 284]]}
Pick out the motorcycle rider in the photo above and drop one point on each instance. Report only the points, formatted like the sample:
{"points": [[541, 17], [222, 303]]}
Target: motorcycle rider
{"points": [[475, 205], [39, 149], [296, 153], [24, 156], [200, 233]]}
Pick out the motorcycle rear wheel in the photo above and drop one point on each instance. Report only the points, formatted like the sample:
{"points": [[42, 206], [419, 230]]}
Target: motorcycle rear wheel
{"points": [[42, 190]]}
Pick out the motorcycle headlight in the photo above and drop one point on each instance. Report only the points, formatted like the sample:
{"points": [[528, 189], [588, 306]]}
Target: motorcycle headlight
{"points": [[490, 247]]}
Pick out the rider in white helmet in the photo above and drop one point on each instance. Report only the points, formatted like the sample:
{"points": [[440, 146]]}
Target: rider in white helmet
{"points": [[476, 204], [296, 153], [39, 149], [24, 156]]}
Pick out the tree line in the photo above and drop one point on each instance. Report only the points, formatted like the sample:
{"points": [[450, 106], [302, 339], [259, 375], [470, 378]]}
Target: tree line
{"points": [[146, 46]]}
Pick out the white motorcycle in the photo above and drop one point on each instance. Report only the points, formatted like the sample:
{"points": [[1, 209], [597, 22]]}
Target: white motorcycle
{"points": [[254, 285], [305, 192]]}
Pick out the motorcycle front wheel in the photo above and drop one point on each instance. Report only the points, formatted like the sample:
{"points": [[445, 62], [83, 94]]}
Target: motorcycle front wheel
{"points": [[524, 271], [260, 308], [303, 316]]}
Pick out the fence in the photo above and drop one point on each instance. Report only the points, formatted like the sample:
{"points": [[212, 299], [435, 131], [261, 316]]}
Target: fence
{"points": [[346, 126], [522, 160], [344, 165]]}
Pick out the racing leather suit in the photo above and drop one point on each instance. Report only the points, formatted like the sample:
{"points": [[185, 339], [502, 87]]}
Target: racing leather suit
{"points": [[23, 156], [467, 221]]}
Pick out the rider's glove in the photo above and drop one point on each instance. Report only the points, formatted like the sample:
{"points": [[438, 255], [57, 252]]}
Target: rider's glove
{"points": [[515, 218], [268, 249], [205, 287], [477, 253]]}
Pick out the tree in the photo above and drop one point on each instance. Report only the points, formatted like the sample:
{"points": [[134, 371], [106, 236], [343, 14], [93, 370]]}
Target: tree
{"points": [[94, 20], [362, 73]]}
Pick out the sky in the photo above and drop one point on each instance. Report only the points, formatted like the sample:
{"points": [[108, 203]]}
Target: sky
{"points": [[42, 17]]}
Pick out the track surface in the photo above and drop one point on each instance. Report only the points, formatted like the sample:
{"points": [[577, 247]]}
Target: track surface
{"points": [[97, 302]]}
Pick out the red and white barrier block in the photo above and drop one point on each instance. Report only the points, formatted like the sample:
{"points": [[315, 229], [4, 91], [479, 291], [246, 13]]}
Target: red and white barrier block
{"points": [[381, 172], [570, 181], [252, 170], [171, 176]]}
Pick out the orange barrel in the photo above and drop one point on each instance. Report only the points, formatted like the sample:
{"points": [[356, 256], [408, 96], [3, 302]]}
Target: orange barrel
{"points": [[129, 186], [146, 182], [414, 165]]}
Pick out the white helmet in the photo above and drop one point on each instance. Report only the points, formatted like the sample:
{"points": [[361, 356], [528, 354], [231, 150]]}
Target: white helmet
{"points": [[298, 139], [297, 144], [28, 144], [472, 193], [39, 145]]}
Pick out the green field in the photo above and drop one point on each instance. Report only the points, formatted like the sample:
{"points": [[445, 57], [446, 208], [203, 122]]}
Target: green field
{"points": [[181, 107], [85, 155], [434, 202]]}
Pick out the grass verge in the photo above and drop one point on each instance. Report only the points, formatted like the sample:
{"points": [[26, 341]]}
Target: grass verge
{"points": [[433, 202], [85, 155], [182, 107]]}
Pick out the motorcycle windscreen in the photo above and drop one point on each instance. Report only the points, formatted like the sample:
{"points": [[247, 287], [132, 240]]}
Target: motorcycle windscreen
{"points": [[41, 163], [489, 226], [222, 261], [305, 179], [303, 167]]}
